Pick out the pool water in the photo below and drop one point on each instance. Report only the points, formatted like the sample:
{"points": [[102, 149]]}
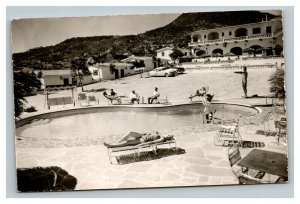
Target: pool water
{"points": [[117, 123]]}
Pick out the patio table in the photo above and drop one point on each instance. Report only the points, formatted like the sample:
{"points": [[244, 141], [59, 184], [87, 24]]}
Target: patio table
{"points": [[266, 161]]}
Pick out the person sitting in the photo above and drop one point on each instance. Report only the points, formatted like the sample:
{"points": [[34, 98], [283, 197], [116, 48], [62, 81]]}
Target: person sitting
{"points": [[112, 97], [155, 96], [134, 138], [134, 97], [200, 93]]}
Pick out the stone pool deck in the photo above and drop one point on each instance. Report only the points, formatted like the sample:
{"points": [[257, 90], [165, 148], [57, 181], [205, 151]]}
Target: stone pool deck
{"points": [[197, 162]]}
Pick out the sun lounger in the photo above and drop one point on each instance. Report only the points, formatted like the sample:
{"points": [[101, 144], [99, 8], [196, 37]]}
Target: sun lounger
{"points": [[228, 133], [136, 149]]}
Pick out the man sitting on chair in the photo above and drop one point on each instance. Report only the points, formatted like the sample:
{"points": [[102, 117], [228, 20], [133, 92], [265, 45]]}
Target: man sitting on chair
{"points": [[134, 97], [155, 96]]}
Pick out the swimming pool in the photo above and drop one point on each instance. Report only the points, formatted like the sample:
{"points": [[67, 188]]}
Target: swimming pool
{"points": [[95, 125]]}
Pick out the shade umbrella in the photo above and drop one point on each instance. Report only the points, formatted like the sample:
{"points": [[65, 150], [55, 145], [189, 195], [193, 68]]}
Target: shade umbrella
{"points": [[217, 54], [263, 49], [249, 49], [229, 54], [205, 55]]}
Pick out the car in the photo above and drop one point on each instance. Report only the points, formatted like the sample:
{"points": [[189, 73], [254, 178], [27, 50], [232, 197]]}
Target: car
{"points": [[163, 71], [179, 70]]}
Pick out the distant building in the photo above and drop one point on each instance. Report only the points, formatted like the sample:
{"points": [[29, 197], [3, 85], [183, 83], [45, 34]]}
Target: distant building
{"points": [[106, 72], [148, 62], [263, 37], [56, 78], [63, 77], [164, 53]]}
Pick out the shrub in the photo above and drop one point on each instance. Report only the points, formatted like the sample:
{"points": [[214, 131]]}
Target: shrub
{"points": [[40, 179], [277, 84], [30, 109]]}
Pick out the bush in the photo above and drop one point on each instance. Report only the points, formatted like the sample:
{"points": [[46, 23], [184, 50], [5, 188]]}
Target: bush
{"points": [[277, 84], [40, 179], [30, 109]]}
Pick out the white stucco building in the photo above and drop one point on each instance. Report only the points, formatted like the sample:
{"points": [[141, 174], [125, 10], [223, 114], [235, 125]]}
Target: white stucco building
{"points": [[264, 37], [164, 53]]}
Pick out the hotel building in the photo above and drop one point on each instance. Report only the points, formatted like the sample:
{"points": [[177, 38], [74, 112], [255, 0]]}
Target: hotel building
{"points": [[262, 38]]}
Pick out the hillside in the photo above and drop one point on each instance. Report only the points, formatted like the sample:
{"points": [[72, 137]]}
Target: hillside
{"points": [[115, 47]]}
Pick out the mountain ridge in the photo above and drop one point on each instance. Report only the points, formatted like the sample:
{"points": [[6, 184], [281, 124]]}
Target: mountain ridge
{"points": [[175, 33]]}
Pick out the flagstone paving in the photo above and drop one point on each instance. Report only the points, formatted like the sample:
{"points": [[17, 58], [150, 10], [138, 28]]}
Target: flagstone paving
{"points": [[203, 163]]}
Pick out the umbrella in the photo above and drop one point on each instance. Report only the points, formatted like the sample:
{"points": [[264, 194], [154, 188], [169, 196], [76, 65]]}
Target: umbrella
{"points": [[229, 54], [249, 49], [205, 55], [217, 54], [263, 49]]}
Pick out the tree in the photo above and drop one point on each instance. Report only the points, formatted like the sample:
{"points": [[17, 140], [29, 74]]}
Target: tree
{"points": [[277, 83], [79, 70], [25, 83], [176, 54]]}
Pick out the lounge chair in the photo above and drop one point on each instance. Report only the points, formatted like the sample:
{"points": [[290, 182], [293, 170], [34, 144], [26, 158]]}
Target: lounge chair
{"points": [[228, 133], [111, 99], [136, 149]]}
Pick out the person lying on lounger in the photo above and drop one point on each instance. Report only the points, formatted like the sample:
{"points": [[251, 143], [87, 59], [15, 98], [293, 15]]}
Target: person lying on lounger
{"points": [[134, 138], [112, 97]]}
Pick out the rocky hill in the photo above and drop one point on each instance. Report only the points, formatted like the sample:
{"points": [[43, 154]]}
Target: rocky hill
{"points": [[116, 47]]}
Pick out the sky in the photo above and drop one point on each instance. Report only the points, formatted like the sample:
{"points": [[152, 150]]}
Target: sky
{"points": [[36, 32]]}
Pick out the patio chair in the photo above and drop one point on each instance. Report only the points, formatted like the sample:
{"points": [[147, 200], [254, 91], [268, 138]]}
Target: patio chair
{"points": [[82, 97], [281, 132], [234, 157], [259, 119], [112, 99], [247, 179], [228, 133]]}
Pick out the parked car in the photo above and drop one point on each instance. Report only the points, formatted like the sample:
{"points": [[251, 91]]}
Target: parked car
{"points": [[179, 70], [163, 71]]}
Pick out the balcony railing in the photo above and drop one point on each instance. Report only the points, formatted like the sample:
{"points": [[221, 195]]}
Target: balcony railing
{"points": [[255, 37]]}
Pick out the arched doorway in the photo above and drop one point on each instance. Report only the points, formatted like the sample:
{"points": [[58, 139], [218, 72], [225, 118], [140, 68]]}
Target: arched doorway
{"points": [[218, 50], [241, 32], [278, 49], [196, 38], [236, 50], [213, 36], [200, 52]]}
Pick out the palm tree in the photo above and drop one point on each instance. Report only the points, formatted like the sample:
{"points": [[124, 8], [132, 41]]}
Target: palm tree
{"points": [[25, 83], [79, 70]]}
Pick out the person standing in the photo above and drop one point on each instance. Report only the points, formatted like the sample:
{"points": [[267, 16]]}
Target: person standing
{"points": [[244, 80], [154, 96]]}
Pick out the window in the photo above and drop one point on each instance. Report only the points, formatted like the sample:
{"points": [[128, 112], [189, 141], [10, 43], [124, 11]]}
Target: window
{"points": [[268, 29], [162, 54], [230, 33], [204, 36], [222, 33], [185, 53], [95, 72], [256, 31]]}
